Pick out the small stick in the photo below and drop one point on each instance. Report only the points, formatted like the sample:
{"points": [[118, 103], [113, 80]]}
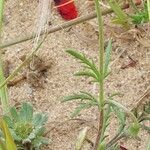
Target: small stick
{"points": [[140, 101], [62, 26], [15, 81], [131, 63]]}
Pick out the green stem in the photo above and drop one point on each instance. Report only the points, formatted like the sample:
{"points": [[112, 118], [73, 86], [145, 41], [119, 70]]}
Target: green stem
{"points": [[3, 91], [148, 8], [101, 69], [122, 17], [101, 54]]}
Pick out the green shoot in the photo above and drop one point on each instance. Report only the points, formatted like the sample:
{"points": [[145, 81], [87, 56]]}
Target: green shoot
{"points": [[141, 16], [148, 8], [121, 17], [3, 91], [6, 142]]}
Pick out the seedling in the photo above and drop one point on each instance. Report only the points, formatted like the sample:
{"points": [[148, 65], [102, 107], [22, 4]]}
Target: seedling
{"points": [[141, 16], [121, 18], [27, 127], [3, 90], [143, 115]]}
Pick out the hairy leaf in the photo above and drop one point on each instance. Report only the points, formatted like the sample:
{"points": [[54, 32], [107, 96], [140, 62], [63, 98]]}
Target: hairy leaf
{"points": [[81, 96], [14, 114], [89, 64], [87, 74], [26, 112], [81, 107], [107, 57]]}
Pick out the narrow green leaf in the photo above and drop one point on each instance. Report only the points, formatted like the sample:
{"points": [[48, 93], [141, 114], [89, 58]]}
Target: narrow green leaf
{"points": [[81, 96], [2, 145], [122, 17], [26, 112], [3, 90], [14, 114], [148, 145], [148, 9], [90, 95], [8, 121], [8, 138], [80, 108], [39, 119], [81, 138], [89, 64], [120, 115], [102, 146], [107, 57], [87, 74], [134, 129], [141, 16]]}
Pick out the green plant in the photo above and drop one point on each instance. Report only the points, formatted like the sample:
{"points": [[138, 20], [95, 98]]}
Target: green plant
{"points": [[141, 16], [6, 140], [148, 8], [3, 90], [143, 115], [26, 127], [106, 105], [121, 17]]}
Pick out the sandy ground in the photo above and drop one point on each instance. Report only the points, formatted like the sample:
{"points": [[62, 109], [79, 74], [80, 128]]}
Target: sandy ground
{"points": [[59, 80]]}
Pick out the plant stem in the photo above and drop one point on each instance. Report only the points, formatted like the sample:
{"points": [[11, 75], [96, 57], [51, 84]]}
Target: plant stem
{"points": [[3, 91], [148, 8], [101, 53], [101, 69]]}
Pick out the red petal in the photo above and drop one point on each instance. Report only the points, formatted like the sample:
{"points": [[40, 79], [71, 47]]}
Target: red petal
{"points": [[68, 11]]}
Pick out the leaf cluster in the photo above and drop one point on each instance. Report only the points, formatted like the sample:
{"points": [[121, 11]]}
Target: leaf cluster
{"points": [[91, 71], [143, 115], [141, 16], [26, 127]]}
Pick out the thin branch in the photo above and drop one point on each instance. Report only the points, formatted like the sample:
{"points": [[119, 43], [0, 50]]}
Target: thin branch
{"points": [[114, 140], [140, 101], [25, 62], [60, 27]]}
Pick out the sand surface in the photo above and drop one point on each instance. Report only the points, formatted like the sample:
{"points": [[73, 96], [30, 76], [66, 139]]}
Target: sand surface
{"points": [[59, 80]]}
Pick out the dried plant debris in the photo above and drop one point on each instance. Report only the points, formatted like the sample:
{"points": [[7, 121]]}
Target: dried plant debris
{"points": [[143, 116], [6, 68], [131, 63], [34, 72], [142, 110]]}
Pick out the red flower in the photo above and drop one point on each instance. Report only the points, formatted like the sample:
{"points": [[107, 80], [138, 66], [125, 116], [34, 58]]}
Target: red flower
{"points": [[67, 9]]}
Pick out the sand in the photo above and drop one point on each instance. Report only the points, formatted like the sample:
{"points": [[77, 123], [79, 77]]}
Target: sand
{"points": [[59, 80]]}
